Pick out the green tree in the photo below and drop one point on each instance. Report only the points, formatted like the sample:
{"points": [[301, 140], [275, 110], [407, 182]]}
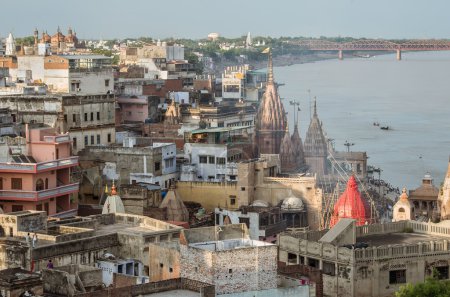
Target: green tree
{"points": [[432, 287]]}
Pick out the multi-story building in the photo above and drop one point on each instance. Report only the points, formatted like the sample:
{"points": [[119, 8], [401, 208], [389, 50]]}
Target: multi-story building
{"points": [[370, 260], [240, 82], [257, 180], [74, 74], [89, 119], [37, 175], [212, 153]]}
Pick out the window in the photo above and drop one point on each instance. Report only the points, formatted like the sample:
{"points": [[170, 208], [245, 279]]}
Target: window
{"points": [[313, 263], [86, 140], [17, 208], [212, 160], [65, 118], [329, 268], [39, 185], [157, 166], [98, 139], [202, 159], [245, 221], [109, 137], [98, 116], [242, 188], [74, 118], [221, 161], [39, 207], [1, 183], [292, 258], [233, 200], [46, 183], [397, 276], [57, 153], [92, 139], [106, 82], [16, 183], [442, 272], [230, 270], [170, 269], [92, 116], [74, 142], [85, 116]]}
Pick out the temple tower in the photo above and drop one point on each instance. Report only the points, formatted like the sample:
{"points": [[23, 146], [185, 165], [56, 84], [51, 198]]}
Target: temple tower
{"points": [[10, 49], [270, 121], [316, 150]]}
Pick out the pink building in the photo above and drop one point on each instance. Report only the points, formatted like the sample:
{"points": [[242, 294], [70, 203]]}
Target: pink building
{"points": [[37, 177], [133, 109]]}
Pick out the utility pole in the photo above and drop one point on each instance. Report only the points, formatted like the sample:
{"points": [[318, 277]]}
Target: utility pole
{"points": [[348, 145]]}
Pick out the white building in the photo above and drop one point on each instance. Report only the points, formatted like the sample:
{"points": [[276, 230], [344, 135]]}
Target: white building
{"points": [[109, 265], [208, 162], [74, 74]]}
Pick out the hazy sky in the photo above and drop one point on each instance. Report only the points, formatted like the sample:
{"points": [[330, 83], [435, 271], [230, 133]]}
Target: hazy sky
{"points": [[231, 18]]}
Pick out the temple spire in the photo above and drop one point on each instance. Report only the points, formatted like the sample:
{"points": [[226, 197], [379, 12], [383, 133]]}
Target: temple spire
{"points": [[315, 106], [270, 68]]}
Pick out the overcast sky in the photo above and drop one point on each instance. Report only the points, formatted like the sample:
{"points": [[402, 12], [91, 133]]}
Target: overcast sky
{"points": [[231, 18]]}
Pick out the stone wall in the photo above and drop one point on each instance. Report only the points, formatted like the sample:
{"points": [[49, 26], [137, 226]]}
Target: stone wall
{"points": [[237, 270]]}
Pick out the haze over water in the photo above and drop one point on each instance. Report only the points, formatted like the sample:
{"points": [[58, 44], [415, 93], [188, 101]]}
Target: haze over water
{"points": [[412, 96]]}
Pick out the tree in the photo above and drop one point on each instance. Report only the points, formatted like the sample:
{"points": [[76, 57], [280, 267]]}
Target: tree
{"points": [[432, 287]]}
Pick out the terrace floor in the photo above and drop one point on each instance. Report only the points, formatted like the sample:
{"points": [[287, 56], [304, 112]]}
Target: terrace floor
{"points": [[398, 238]]}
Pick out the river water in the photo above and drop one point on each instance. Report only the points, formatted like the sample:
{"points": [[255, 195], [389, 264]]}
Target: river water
{"points": [[412, 96]]}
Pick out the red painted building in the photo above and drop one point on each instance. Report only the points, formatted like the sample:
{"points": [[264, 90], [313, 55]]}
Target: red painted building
{"points": [[351, 205], [37, 175]]}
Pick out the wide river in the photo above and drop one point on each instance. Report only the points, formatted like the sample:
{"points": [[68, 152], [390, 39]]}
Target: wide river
{"points": [[412, 96]]}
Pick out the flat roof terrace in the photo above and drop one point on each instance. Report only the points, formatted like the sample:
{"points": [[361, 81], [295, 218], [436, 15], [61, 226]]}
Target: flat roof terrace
{"points": [[398, 238]]}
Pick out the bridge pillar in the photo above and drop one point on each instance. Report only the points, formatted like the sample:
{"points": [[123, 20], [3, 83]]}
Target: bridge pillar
{"points": [[399, 55], [341, 55]]}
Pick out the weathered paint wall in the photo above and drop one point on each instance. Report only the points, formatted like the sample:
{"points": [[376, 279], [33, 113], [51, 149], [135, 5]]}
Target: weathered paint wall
{"points": [[209, 194], [164, 261]]}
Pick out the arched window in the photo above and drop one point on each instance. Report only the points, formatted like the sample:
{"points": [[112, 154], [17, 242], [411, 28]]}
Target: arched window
{"points": [[401, 209], [46, 183], [39, 185]]}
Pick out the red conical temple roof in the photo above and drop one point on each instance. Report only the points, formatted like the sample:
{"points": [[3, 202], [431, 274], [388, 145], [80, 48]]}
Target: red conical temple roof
{"points": [[351, 205]]}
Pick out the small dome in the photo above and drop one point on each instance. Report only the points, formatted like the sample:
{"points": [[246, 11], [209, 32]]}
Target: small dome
{"points": [[292, 203], [260, 203]]}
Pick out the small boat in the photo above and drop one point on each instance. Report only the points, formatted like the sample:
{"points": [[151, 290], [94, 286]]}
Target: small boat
{"points": [[385, 128], [376, 124]]}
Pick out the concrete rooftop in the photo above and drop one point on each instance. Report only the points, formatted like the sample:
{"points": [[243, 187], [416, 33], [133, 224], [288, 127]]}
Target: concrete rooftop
{"points": [[398, 238]]}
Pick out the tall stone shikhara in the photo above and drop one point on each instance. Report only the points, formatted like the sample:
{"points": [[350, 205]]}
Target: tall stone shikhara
{"points": [[315, 146], [270, 121]]}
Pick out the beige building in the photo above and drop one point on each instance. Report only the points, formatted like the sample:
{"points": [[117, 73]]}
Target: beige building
{"points": [[403, 209], [79, 240], [256, 180], [371, 260], [444, 196]]}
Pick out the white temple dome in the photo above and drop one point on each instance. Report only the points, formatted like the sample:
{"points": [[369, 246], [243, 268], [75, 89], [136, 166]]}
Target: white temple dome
{"points": [[292, 203], [260, 203]]}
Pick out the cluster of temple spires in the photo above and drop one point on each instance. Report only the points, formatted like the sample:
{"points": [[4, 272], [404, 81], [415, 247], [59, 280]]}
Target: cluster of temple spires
{"points": [[272, 134]]}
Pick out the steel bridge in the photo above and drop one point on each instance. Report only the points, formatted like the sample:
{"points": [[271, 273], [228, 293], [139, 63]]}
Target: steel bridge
{"points": [[374, 45]]}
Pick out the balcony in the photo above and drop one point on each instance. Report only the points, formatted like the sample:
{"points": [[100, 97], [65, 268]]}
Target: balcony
{"points": [[39, 167], [38, 195]]}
